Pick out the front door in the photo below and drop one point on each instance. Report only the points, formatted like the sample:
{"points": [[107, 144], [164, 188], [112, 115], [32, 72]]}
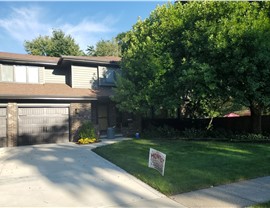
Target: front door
{"points": [[103, 118]]}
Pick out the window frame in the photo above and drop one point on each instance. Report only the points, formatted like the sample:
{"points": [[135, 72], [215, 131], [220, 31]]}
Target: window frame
{"points": [[102, 77], [27, 73]]}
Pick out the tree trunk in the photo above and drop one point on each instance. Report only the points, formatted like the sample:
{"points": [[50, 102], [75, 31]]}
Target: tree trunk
{"points": [[256, 118]]}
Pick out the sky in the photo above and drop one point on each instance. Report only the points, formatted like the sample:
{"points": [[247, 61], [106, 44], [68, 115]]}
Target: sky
{"points": [[86, 21]]}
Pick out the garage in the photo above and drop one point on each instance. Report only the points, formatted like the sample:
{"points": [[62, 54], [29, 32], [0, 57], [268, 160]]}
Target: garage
{"points": [[3, 127], [40, 125]]}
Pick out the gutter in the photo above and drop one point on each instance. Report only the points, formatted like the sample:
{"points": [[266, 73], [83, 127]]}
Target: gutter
{"points": [[20, 61], [14, 97], [82, 60]]}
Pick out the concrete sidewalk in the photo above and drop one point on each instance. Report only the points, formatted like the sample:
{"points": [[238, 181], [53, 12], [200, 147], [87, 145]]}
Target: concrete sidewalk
{"points": [[241, 194]]}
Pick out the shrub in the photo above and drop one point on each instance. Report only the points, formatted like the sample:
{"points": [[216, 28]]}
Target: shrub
{"points": [[87, 133], [220, 134], [194, 133], [250, 137], [161, 132], [87, 130], [87, 140]]}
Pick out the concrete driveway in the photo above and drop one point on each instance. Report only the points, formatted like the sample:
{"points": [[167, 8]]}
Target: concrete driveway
{"points": [[68, 175]]}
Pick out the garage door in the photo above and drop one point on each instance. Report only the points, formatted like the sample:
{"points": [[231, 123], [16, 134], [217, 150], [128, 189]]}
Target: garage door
{"points": [[39, 125], [3, 127]]}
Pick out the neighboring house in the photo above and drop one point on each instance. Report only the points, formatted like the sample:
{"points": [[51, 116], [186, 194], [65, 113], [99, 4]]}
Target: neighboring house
{"points": [[46, 99]]}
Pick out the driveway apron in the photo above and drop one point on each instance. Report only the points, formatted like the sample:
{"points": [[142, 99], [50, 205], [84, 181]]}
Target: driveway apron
{"points": [[68, 175]]}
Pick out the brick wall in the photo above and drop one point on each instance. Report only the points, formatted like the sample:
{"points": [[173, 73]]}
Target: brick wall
{"points": [[79, 113], [12, 124]]}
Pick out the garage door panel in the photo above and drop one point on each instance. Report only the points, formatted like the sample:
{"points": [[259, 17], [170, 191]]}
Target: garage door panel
{"points": [[33, 129], [56, 111], [43, 125], [31, 111], [3, 122], [28, 120], [27, 139], [57, 128], [3, 112], [3, 127]]}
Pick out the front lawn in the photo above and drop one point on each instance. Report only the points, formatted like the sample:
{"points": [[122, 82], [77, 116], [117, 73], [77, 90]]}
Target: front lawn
{"points": [[190, 165], [262, 205]]}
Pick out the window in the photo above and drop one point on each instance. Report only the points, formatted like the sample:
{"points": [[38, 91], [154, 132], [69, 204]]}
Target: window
{"points": [[107, 76], [20, 74], [6, 73], [32, 74]]}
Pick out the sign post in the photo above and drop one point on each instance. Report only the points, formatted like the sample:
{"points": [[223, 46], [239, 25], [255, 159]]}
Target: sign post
{"points": [[157, 160]]}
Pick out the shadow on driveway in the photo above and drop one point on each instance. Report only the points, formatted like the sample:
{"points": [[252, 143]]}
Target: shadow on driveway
{"points": [[66, 175]]}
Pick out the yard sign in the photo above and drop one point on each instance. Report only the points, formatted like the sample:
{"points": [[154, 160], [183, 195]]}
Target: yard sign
{"points": [[157, 160]]}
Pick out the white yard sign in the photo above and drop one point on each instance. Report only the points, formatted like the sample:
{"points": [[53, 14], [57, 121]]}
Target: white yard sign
{"points": [[157, 160]]}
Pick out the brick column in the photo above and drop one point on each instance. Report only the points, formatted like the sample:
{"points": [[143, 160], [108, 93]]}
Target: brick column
{"points": [[12, 124], [79, 113]]}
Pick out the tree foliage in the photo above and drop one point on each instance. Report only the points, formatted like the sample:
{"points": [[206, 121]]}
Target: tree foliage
{"points": [[200, 54], [105, 48], [56, 45]]}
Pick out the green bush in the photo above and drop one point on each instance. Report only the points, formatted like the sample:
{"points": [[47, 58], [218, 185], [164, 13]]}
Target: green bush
{"points": [[194, 133], [161, 132], [168, 132], [250, 137], [219, 134], [87, 130]]}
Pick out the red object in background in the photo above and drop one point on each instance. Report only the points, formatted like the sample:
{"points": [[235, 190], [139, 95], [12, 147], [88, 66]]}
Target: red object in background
{"points": [[232, 115]]}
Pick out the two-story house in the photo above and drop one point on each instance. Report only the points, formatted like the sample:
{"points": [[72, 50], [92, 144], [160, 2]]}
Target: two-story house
{"points": [[46, 99]]}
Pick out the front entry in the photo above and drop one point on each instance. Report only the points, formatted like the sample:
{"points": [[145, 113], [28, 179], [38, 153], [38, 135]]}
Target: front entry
{"points": [[103, 118]]}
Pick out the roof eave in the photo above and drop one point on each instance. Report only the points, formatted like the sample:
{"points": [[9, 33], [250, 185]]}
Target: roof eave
{"points": [[81, 60], [21, 97], [24, 61]]}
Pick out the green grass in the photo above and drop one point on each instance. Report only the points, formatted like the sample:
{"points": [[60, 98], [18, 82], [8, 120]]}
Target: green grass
{"points": [[262, 205], [190, 165]]}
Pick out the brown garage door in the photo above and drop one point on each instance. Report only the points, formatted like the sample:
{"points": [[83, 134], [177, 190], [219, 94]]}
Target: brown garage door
{"points": [[39, 125], [3, 127]]}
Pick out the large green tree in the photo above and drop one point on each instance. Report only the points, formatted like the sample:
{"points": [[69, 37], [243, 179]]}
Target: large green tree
{"points": [[209, 53], [231, 40], [105, 48], [56, 45]]}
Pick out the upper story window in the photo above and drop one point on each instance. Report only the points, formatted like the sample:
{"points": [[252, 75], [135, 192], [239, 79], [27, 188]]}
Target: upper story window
{"points": [[107, 76], [20, 74]]}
